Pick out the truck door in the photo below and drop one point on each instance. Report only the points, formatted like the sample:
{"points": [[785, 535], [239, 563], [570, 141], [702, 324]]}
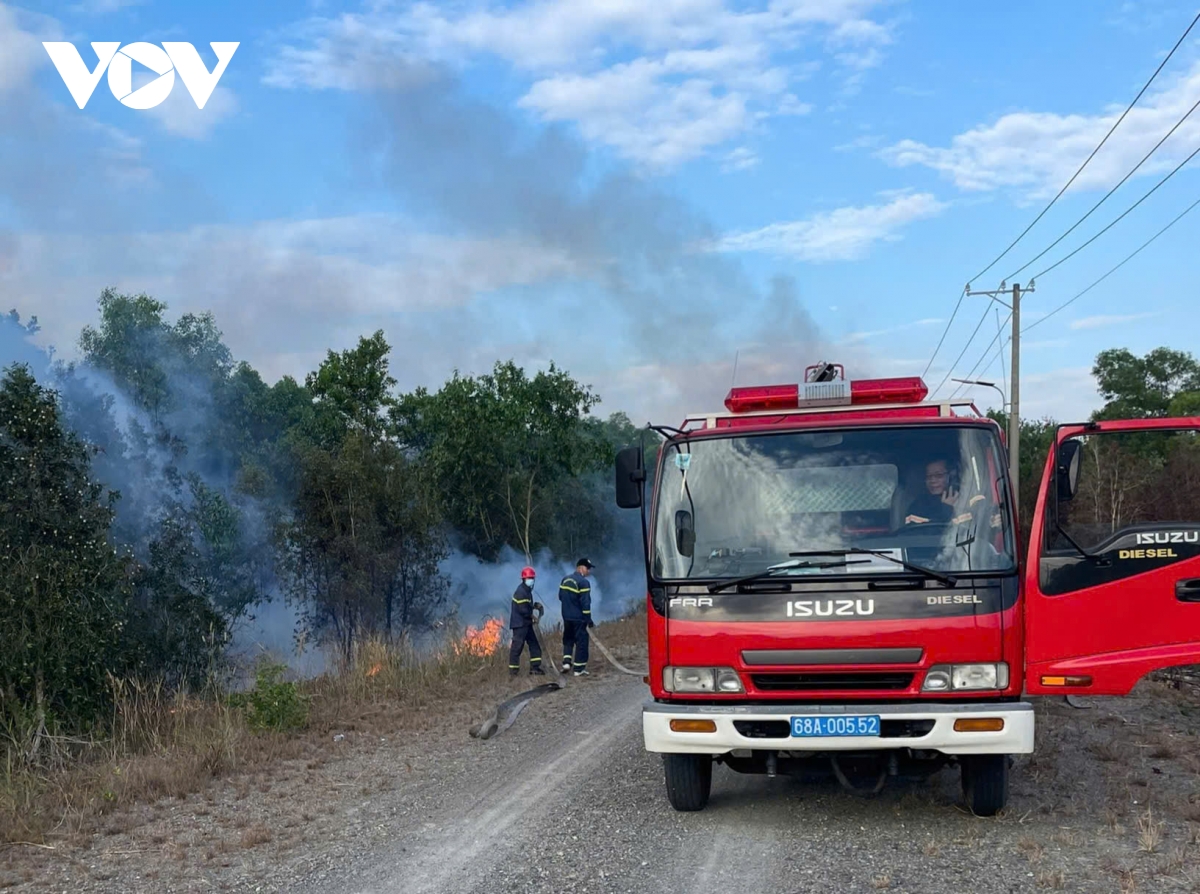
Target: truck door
{"points": [[1112, 581]]}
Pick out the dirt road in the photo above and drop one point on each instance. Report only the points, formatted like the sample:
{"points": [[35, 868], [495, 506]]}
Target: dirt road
{"points": [[572, 802], [567, 800]]}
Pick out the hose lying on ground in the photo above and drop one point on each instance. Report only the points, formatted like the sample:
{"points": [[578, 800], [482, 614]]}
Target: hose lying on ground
{"points": [[505, 713], [613, 661]]}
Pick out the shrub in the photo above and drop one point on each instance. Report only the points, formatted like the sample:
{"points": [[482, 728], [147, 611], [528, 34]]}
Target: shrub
{"points": [[274, 703]]}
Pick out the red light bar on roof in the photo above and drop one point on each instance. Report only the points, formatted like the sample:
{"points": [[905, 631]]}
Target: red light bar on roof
{"points": [[763, 397], [824, 394], [910, 390]]}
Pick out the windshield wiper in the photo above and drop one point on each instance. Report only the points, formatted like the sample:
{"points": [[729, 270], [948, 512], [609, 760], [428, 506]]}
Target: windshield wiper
{"points": [[861, 551], [776, 571]]}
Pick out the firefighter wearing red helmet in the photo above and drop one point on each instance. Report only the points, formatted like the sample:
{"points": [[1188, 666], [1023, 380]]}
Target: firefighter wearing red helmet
{"points": [[521, 622]]}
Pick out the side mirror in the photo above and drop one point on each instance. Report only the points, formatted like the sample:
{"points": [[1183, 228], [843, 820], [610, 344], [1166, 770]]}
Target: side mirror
{"points": [[685, 533], [630, 476], [1067, 469]]}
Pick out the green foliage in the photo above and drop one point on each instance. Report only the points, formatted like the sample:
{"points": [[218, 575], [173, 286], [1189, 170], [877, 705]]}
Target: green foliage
{"points": [[63, 588], [273, 703], [1164, 382], [73, 607], [362, 547], [352, 389], [497, 446]]}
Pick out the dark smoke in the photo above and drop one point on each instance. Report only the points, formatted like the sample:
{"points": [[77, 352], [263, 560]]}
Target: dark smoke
{"points": [[474, 168]]}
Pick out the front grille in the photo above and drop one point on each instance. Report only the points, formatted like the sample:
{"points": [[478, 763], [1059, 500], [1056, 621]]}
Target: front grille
{"points": [[808, 682], [763, 729], [905, 729]]}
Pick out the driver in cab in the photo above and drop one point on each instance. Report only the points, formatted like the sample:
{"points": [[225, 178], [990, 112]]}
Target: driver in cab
{"points": [[937, 503]]}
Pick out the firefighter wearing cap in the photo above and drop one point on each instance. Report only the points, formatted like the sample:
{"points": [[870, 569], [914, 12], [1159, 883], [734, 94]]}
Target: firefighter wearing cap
{"points": [[521, 622], [575, 593]]}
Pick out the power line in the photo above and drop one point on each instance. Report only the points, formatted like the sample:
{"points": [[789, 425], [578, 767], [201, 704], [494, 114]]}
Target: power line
{"points": [[945, 331], [1066, 186], [987, 350], [1128, 109], [1138, 251], [966, 347], [1153, 190], [1079, 295], [1106, 196]]}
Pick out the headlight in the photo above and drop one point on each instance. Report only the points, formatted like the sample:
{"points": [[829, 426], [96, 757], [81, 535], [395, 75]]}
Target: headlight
{"points": [[701, 679], [956, 677]]}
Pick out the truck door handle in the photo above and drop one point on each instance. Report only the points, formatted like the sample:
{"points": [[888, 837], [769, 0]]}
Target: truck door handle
{"points": [[1188, 590]]}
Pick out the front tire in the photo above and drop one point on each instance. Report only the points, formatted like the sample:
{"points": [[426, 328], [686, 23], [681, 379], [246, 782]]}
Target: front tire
{"points": [[689, 780], [985, 783]]}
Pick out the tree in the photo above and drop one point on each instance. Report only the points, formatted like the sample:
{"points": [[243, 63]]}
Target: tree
{"points": [[1136, 387], [497, 445], [363, 545], [364, 540], [62, 585], [352, 389]]}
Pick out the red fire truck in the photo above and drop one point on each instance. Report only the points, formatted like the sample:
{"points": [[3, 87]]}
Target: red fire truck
{"points": [[835, 582]]}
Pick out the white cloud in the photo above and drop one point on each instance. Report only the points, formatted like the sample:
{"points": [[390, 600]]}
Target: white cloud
{"points": [[660, 83], [839, 235], [179, 115], [101, 7], [1101, 321], [21, 51], [740, 159], [1037, 152], [274, 283], [857, 337], [1067, 394]]}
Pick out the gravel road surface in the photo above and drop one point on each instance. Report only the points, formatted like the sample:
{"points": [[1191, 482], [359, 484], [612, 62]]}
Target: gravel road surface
{"points": [[567, 800], [571, 802]]}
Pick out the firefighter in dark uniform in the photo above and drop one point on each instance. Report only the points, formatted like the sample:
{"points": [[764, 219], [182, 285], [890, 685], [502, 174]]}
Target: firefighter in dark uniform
{"points": [[575, 593], [521, 622]]}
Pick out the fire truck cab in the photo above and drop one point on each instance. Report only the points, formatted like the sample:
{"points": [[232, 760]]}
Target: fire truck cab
{"points": [[835, 583]]}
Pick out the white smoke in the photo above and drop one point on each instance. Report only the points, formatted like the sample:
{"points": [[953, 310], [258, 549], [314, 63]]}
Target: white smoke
{"points": [[484, 590]]}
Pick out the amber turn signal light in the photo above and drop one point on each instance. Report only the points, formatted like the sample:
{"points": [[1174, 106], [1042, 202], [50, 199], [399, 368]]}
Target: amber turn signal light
{"points": [[979, 724], [1066, 681], [693, 726]]}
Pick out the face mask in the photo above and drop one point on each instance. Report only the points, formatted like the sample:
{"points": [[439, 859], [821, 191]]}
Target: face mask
{"points": [[529, 583]]}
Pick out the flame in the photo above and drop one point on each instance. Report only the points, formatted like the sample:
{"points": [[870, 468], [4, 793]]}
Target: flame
{"points": [[481, 641], [376, 669]]}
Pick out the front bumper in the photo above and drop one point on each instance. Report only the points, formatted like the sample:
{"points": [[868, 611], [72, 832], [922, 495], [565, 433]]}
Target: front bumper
{"points": [[1015, 738]]}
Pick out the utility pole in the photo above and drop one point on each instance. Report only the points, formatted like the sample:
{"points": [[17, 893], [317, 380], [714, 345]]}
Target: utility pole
{"points": [[1014, 409]]}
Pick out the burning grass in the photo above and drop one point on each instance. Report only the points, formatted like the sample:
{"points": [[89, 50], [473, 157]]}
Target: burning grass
{"points": [[162, 745]]}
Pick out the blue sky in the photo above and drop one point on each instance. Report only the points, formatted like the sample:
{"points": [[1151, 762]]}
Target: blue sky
{"points": [[636, 191]]}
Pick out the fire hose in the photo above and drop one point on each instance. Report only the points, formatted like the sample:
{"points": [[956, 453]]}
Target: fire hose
{"points": [[505, 714]]}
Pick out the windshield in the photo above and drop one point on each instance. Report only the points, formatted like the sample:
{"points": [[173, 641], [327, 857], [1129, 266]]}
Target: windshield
{"points": [[932, 496]]}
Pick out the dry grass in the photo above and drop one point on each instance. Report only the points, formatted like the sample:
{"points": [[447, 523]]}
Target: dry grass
{"points": [[1150, 832], [167, 746]]}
